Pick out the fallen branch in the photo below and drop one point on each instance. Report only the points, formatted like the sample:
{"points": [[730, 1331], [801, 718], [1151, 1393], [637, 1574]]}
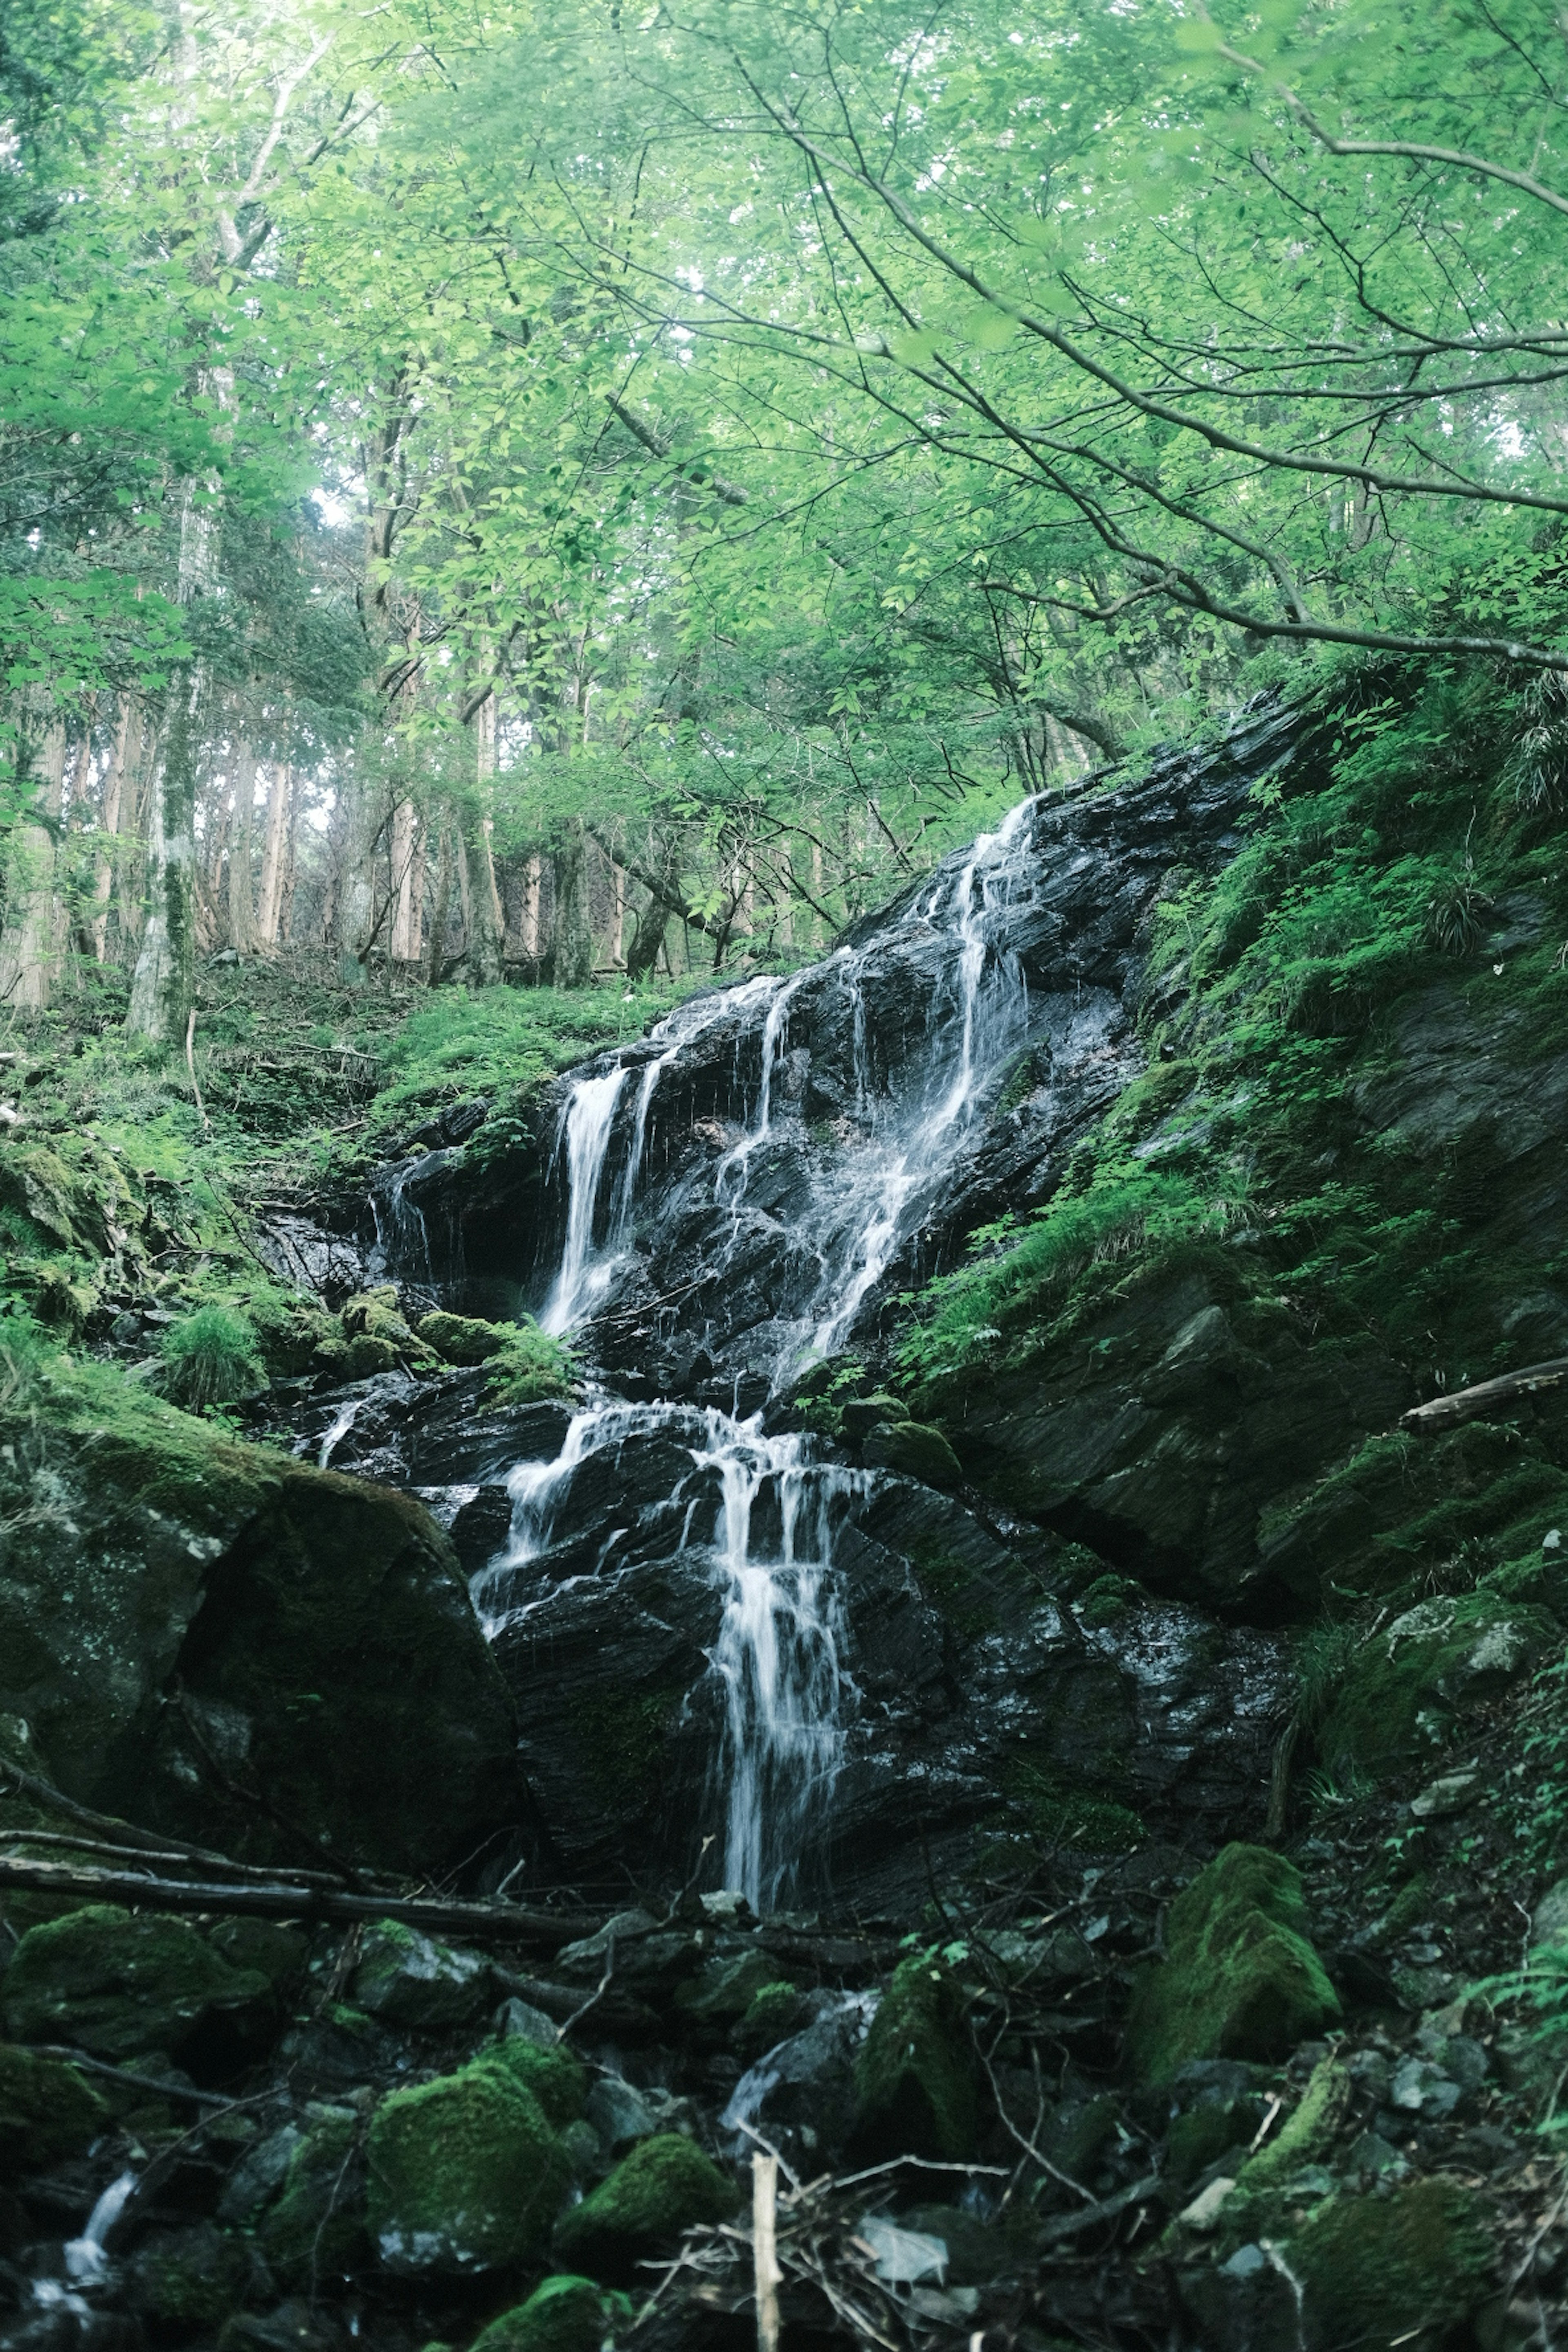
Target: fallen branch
{"points": [[1486, 1396], [494, 1923], [1068, 2225]]}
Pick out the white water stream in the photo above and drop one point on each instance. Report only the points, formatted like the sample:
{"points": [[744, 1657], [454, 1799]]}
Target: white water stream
{"points": [[765, 1510]]}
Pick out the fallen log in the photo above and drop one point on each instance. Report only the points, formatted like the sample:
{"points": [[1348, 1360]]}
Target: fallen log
{"points": [[492, 1923], [1484, 1397]]}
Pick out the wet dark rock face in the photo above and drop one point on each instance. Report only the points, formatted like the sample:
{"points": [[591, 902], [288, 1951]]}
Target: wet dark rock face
{"points": [[700, 1305]]}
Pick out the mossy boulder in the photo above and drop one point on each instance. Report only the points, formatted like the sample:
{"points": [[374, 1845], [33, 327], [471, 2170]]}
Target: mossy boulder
{"points": [[408, 1979], [318, 1626], [914, 2074], [565, 2314], [376, 1315], [665, 2186], [185, 2283], [288, 1330], [726, 1987], [1240, 1979], [462, 1338], [915, 1449], [466, 2174], [121, 1983], [47, 2110], [552, 2075], [1408, 2268], [1408, 1691], [316, 2228], [277, 1953]]}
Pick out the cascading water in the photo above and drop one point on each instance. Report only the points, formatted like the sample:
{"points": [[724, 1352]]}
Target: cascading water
{"points": [[775, 1661]]}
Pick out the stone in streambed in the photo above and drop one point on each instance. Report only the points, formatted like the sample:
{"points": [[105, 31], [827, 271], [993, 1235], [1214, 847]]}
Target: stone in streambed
{"points": [[566, 2314], [1407, 2269], [726, 1987], [914, 2077], [121, 1984], [552, 2075], [316, 2230], [466, 2174], [408, 1979], [48, 2111], [1240, 1979], [665, 2186]]}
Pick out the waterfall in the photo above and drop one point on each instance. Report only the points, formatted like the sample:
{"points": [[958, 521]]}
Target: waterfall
{"points": [[402, 1241], [775, 1661]]}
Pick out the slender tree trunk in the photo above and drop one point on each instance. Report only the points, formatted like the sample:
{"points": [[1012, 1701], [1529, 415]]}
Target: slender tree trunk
{"points": [[28, 948], [443, 909], [417, 895], [272, 898], [290, 864], [126, 746], [163, 985], [532, 892], [571, 948], [483, 923], [617, 913], [241, 907], [405, 944]]}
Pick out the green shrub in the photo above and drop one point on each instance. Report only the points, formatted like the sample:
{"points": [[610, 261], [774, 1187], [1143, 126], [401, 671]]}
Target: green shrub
{"points": [[529, 1367], [211, 1358]]}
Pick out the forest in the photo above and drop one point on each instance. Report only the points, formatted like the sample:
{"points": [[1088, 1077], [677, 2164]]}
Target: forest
{"points": [[546, 494], [784, 1239]]}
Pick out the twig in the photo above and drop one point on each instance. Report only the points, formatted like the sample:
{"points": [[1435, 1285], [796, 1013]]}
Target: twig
{"points": [[192, 2096], [602, 1988], [242, 1870], [769, 2150], [1068, 2225], [42, 1793]]}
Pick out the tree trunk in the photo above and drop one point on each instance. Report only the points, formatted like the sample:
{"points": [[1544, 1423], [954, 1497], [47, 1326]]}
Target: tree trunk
{"points": [[241, 906], [404, 945], [163, 988], [618, 914], [127, 746], [482, 919], [571, 948], [28, 951], [271, 899], [290, 864], [443, 909], [532, 893]]}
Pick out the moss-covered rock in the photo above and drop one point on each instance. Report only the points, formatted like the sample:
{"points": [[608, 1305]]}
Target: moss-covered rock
{"points": [[915, 1449], [376, 1315], [316, 2228], [914, 2074], [318, 1626], [1240, 1979], [565, 2314], [1405, 1693], [277, 1953], [552, 2075], [775, 2008], [466, 2174], [121, 1983], [1408, 2268], [726, 1986], [665, 2186], [185, 2283], [462, 1338], [47, 2110], [408, 1979]]}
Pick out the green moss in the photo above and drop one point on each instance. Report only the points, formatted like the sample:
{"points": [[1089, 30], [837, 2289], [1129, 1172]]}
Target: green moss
{"points": [[1404, 1692], [1240, 1979], [373, 1316], [277, 1953], [957, 1593], [725, 1988], [914, 1449], [775, 2011], [665, 2186], [1059, 1815], [466, 2174], [529, 1367], [1406, 2269], [914, 2074], [210, 1358], [553, 2076], [463, 1339], [565, 2314], [48, 2111], [119, 1983], [189, 2281], [410, 1979], [316, 2228]]}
